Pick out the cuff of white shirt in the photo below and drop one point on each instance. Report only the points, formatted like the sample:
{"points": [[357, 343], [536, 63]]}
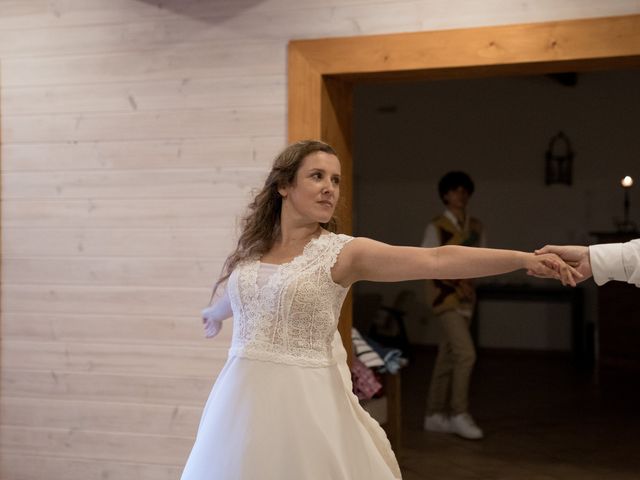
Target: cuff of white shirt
{"points": [[606, 263]]}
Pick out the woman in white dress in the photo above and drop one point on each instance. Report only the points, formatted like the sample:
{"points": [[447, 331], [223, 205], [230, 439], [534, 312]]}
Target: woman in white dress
{"points": [[282, 406]]}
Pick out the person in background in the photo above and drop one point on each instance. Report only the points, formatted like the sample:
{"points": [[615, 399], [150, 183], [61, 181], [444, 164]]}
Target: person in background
{"points": [[453, 302]]}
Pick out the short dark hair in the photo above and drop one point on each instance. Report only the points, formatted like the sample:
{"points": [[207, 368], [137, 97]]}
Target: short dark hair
{"points": [[453, 180]]}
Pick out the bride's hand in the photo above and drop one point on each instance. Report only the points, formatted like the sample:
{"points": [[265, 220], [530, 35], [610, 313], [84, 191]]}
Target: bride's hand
{"points": [[550, 265], [211, 327]]}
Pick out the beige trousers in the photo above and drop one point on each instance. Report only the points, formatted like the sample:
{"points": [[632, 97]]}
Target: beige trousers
{"points": [[449, 389]]}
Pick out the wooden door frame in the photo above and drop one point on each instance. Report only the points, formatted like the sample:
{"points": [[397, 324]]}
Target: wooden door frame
{"points": [[323, 72]]}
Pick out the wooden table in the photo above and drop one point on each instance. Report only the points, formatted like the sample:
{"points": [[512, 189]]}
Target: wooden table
{"points": [[581, 340]]}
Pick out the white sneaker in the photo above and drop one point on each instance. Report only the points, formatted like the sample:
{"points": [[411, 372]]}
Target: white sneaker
{"points": [[464, 426], [437, 423]]}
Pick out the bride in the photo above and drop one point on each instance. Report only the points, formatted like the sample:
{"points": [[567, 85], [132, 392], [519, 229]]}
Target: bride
{"points": [[282, 406]]}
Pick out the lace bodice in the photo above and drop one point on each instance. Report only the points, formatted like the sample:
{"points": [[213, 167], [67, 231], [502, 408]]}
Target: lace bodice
{"points": [[293, 317]]}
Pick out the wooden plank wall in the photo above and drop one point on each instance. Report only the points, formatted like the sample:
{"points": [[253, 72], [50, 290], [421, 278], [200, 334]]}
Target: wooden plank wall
{"points": [[132, 135]]}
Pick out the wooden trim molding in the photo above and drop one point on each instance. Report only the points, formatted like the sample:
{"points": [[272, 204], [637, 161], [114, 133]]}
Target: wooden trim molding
{"points": [[538, 47], [322, 72]]}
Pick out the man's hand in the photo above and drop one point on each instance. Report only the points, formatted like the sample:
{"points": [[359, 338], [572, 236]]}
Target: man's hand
{"points": [[575, 255], [550, 265]]}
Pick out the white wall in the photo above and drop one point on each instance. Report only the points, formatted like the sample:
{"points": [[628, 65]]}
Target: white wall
{"points": [[498, 130], [132, 133]]}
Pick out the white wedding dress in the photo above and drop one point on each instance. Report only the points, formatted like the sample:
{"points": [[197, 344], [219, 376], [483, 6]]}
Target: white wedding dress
{"points": [[282, 407]]}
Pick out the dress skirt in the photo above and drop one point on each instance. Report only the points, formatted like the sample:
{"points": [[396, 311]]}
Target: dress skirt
{"points": [[266, 420]]}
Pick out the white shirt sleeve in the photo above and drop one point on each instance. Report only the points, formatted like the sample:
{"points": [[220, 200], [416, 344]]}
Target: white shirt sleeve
{"points": [[616, 261], [431, 237]]}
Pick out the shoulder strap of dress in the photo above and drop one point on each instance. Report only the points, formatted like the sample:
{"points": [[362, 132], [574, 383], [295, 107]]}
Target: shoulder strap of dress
{"points": [[336, 243]]}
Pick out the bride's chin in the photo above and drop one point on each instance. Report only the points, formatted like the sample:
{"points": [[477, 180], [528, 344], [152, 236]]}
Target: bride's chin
{"points": [[321, 217]]}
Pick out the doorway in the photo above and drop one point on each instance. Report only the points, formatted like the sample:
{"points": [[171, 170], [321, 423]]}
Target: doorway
{"points": [[322, 74]]}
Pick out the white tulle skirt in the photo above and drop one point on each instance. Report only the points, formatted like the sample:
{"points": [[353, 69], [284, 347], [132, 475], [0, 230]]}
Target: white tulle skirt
{"points": [[267, 420]]}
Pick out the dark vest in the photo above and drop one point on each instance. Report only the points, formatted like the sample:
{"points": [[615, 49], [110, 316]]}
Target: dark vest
{"points": [[446, 294]]}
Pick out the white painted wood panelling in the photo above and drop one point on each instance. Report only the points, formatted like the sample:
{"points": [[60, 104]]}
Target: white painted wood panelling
{"points": [[107, 300], [94, 445], [95, 386], [153, 183], [21, 465], [167, 153], [132, 359], [194, 123], [116, 242], [200, 93], [109, 271], [108, 416], [176, 62], [114, 328], [122, 212], [132, 135]]}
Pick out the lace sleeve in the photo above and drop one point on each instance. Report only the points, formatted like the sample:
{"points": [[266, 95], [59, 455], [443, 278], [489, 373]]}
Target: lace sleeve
{"points": [[336, 247]]}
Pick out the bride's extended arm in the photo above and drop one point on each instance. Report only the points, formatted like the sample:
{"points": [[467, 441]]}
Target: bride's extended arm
{"points": [[366, 259], [214, 314]]}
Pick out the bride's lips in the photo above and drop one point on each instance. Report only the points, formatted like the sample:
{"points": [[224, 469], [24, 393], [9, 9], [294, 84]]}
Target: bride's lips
{"points": [[326, 203]]}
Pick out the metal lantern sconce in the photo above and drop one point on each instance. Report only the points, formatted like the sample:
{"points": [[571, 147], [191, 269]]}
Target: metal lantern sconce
{"points": [[559, 160]]}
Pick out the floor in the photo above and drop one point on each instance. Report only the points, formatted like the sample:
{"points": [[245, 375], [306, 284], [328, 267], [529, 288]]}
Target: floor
{"points": [[542, 419]]}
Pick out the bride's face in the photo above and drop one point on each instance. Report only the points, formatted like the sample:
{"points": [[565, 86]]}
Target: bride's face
{"points": [[316, 188]]}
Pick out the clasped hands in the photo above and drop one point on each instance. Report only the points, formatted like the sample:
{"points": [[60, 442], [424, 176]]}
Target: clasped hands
{"points": [[575, 265]]}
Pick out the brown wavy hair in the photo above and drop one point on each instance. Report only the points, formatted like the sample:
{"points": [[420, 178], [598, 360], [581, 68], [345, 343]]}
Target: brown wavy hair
{"points": [[261, 224]]}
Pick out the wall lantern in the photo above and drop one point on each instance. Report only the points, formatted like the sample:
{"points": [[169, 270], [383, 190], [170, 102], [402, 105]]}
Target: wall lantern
{"points": [[559, 160]]}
